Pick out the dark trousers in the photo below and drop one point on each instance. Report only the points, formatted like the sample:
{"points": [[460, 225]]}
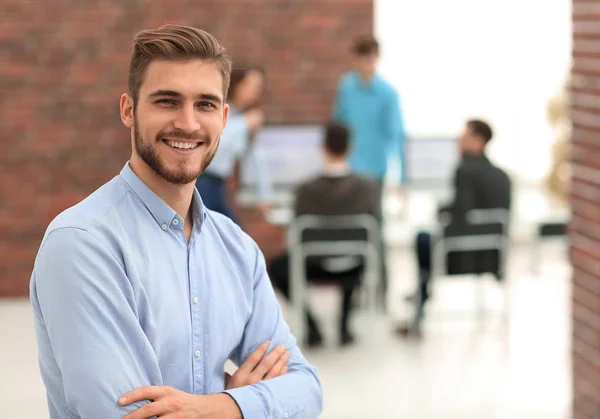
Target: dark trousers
{"points": [[423, 248], [214, 195], [349, 280]]}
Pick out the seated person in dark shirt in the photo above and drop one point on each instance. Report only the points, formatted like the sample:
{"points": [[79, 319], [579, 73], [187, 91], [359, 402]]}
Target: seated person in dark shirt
{"points": [[335, 192], [478, 185]]}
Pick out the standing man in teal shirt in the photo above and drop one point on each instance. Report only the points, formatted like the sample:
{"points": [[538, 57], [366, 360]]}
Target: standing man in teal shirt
{"points": [[369, 105]]}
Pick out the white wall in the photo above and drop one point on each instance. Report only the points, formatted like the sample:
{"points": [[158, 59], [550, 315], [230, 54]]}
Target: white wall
{"points": [[499, 60]]}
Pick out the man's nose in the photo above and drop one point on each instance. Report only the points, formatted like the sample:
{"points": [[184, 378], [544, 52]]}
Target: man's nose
{"points": [[187, 119]]}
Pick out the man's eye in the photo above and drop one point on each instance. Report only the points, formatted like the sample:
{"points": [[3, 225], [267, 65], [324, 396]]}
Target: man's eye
{"points": [[165, 101], [205, 105]]}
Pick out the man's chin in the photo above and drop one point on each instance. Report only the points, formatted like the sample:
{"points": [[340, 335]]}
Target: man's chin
{"points": [[181, 178], [178, 176]]}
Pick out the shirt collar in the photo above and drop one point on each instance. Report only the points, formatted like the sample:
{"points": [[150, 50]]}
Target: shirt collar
{"points": [[475, 157], [162, 213], [366, 84]]}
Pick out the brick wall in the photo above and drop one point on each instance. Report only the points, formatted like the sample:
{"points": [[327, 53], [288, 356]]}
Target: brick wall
{"points": [[585, 201], [63, 69]]}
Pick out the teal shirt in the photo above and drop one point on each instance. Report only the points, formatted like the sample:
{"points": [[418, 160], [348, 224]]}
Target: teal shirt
{"points": [[371, 110]]}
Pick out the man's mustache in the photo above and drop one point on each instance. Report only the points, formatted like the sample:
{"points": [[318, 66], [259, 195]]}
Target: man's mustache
{"points": [[193, 136]]}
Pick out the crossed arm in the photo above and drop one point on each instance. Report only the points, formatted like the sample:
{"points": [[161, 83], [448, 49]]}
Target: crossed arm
{"points": [[170, 402]]}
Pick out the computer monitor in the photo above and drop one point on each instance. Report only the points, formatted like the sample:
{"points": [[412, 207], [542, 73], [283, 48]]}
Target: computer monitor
{"points": [[292, 154], [431, 160]]}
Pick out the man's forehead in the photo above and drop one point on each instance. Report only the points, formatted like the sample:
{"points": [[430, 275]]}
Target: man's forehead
{"points": [[189, 78]]}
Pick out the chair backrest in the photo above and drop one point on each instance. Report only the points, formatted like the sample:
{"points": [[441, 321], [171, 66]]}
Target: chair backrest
{"points": [[488, 216], [496, 218], [312, 228], [319, 235], [493, 237]]}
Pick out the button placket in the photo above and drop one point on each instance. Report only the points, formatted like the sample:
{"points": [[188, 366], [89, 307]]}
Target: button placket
{"points": [[197, 338]]}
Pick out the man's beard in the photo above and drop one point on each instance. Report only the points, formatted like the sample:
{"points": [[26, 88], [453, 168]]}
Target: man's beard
{"points": [[181, 176]]}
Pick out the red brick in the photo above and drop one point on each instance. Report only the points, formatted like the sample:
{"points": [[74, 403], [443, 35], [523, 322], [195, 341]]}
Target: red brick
{"points": [[584, 230], [585, 117], [588, 300], [586, 280], [585, 333], [585, 82]]}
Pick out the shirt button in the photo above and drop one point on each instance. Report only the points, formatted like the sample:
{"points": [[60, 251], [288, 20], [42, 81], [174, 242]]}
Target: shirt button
{"points": [[285, 415], [175, 221], [197, 354], [196, 300], [164, 226]]}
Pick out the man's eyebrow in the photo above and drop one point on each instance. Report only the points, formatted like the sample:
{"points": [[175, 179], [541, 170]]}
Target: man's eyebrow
{"points": [[209, 96], [169, 93], [175, 94]]}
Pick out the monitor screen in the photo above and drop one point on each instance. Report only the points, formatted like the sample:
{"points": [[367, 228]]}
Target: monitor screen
{"points": [[431, 159], [292, 154]]}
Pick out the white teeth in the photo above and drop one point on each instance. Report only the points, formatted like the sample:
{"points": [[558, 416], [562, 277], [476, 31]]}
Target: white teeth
{"points": [[176, 144]]}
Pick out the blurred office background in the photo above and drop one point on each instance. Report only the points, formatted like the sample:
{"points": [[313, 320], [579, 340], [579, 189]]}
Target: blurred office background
{"points": [[64, 67]]}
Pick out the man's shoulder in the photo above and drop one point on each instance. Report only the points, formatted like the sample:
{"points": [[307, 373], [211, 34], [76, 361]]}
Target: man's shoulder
{"points": [[309, 185], [88, 223], [476, 167], [363, 182], [353, 178], [473, 165], [502, 175], [85, 214], [385, 86], [314, 190]]}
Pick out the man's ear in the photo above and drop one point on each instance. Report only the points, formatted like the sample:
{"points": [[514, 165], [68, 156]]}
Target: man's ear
{"points": [[127, 111], [225, 116]]}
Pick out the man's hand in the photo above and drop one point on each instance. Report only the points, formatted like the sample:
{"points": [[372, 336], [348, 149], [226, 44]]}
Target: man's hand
{"points": [[257, 367], [167, 402]]}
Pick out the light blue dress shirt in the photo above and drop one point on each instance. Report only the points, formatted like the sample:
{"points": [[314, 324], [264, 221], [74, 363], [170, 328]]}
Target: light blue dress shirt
{"points": [[235, 143], [371, 110], [122, 300]]}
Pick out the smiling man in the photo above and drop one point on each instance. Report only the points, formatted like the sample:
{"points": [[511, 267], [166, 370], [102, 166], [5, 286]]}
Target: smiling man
{"points": [[141, 294]]}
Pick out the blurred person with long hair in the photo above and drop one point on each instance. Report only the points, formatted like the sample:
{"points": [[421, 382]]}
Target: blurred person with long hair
{"points": [[245, 118]]}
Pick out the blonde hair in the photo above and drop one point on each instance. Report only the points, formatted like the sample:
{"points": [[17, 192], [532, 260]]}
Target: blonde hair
{"points": [[175, 42]]}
